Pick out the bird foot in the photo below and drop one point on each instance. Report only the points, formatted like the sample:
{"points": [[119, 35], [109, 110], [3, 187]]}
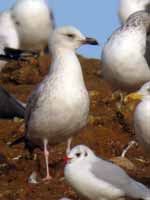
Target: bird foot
{"points": [[47, 178]]}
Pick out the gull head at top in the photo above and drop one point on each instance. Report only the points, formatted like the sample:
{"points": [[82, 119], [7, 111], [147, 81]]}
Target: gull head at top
{"points": [[139, 18], [69, 37], [80, 153]]}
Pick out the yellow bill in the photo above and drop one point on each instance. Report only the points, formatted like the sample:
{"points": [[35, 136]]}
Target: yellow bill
{"points": [[133, 96]]}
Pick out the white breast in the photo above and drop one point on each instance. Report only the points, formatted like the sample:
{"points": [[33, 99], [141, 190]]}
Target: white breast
{"points": [[142, 124]]}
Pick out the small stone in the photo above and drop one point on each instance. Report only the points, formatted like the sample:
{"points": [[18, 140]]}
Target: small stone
{"points": [[124, 163], [33, 178]]}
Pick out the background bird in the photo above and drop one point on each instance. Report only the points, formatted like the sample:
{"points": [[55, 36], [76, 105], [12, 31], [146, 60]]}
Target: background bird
{"points": [[8, 35], [142, 116], [34, 22], [125, 59], [127, 7]]}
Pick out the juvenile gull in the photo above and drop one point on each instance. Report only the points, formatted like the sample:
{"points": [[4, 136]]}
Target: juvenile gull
{"points": [[34, 22], [142, 116], [8, 35], [58, 108], [125, 56], [128, 7], [95, 178]]}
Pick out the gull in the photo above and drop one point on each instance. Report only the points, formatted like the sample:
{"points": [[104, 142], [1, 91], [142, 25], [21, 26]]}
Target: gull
{"points": [[58, 108], [125, 56], [8, 35], [142, 116], [34, 22], [128, 7], [95, 178]]}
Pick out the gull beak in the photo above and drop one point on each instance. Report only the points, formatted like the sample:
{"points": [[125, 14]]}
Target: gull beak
{"points": [[91, 41], [66, 159], [133, 96]]}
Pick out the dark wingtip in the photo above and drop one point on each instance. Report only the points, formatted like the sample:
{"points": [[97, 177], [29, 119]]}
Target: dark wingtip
{"points": [[19, 54]]}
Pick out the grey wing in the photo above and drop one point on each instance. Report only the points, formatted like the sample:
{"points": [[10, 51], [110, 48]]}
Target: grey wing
{"points": [[52, 18], [33, 101], [116, 176], [147, 6], [147, 51], [111, 173], [30, 106]]}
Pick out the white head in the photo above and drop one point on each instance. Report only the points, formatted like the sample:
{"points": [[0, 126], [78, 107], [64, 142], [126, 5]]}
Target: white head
{"points": [[80, 153], [128, 7], [69, 37]]}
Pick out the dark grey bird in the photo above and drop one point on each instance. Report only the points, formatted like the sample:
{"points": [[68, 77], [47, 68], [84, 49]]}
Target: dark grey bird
{"points": [[10, 107]]}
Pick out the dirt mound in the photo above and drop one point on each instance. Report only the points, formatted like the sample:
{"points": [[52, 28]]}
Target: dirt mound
{"points": [[107, 133]]}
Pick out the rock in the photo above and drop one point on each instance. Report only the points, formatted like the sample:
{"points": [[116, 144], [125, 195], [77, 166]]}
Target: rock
{"points": [[124, 163]]}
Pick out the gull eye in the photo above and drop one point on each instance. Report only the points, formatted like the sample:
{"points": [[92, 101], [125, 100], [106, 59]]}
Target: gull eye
{"points": [[70, 35], [78, 154]]}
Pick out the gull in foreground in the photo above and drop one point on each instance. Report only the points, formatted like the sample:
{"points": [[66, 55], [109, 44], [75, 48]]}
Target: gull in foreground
{"points": [[125, 56], [142, 116], [128, 7], [34, 22], [58, 108], [95, 178]]}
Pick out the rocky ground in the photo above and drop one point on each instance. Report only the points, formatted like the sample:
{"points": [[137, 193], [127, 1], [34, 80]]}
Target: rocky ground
{"points": [[108, 132]]}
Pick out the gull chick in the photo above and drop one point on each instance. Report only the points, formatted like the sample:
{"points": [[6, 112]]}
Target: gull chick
{"points": [[142, 116], [34, 22], [58, 108], [95, 178], [125, 56], [128, 7]]}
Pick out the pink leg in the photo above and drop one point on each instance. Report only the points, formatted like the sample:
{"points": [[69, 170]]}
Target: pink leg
{"points": [[46, 154], [68, 145]]}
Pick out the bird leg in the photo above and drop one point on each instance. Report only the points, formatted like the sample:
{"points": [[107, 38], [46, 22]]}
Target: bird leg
{"points": [[68, 145], [46, 154]]}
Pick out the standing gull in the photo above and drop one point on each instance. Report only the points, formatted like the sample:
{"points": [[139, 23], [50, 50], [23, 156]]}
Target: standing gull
{"points": [[125, 56], [128, 7], [58, 108], [142, 116], [98, 179], [34, 22]]}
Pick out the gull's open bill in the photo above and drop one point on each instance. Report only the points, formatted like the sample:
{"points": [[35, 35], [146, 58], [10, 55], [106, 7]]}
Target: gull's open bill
{"points": [[18, 54]]}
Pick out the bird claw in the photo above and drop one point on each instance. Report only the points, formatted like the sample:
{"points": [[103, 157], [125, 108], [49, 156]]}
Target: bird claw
{"points": [[47, 178]]}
